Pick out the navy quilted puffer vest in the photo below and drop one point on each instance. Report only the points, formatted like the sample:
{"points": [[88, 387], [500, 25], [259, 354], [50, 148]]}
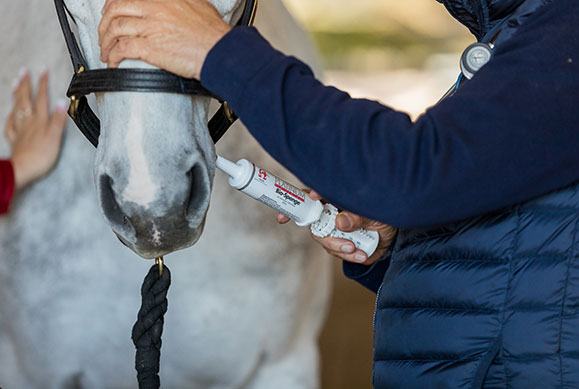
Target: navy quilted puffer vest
{"points": [[490, 302]]}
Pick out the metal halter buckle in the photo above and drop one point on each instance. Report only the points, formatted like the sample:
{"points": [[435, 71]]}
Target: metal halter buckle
{"points": [[73, 108], [253, 13], [229, 112]]}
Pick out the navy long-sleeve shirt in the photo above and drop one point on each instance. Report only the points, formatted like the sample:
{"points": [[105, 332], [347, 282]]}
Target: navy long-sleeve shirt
{"points": [[508, 135]]}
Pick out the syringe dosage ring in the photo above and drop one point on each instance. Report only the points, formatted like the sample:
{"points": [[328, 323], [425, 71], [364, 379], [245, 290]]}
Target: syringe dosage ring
{"points": [[365, 240], [327, 223]]}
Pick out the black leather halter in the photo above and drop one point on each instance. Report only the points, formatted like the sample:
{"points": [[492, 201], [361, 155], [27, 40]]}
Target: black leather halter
{"points": [[86, 81]]}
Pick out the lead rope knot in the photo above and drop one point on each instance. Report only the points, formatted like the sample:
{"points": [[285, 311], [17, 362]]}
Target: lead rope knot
{"points": [[148, 329]]}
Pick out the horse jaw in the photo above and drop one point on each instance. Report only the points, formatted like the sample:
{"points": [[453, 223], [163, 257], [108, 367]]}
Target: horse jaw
{"points": [[155, 162]]}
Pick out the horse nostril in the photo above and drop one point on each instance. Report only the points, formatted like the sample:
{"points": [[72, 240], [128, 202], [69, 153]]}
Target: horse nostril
{"points": [[113, 212], [196, 205]]}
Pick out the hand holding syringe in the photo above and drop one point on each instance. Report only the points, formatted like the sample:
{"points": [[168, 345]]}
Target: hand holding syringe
{"points": [[296, 204], [345, 249]]}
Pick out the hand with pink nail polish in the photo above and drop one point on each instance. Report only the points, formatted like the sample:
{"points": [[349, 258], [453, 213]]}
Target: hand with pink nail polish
{"points": [[349, 222], [34, 132]]}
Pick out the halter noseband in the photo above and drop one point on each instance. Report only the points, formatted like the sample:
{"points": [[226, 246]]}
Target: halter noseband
{"points": [[86, 81]]}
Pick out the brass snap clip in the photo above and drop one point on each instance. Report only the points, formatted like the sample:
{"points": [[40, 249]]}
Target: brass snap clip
{"points": [[159, 263]]}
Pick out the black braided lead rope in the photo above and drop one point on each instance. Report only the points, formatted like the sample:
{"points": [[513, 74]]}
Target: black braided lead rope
{"points": [[148, 329]]}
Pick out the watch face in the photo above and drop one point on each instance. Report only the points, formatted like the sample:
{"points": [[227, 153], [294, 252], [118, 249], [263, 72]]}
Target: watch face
{"points": [[478, 56], [475, 57]]}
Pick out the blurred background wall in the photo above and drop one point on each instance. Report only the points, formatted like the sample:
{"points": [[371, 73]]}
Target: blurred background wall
{"points": [[404, 54]]}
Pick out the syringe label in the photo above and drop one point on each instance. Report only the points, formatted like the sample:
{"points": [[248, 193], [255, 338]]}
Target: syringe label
{"points": [[273, 204], [288, 196], [289, 189], [277, 190]]}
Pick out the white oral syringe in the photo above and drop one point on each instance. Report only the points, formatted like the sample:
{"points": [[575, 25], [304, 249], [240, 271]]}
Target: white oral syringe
{"points": [[292, 202]]}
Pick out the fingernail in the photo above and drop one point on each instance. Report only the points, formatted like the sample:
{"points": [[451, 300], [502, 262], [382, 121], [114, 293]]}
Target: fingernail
{"points": [[344, 222], [44, 70], [22, 72], [360, 258], [61, 105], [347, 249]]}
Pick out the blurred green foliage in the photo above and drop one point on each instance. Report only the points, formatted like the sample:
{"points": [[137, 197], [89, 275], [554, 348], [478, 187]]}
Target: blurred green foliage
{"points": [[377, 34], [370, 50]]}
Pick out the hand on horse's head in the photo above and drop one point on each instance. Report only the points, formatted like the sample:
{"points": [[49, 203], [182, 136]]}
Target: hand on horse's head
{"points": [[173, 35]]}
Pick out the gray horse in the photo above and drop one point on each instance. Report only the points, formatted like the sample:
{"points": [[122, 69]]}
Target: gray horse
{"points": [[247, 300]]}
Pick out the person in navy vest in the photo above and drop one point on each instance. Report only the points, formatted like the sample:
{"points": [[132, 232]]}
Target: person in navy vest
{"points": [[478, 284]]}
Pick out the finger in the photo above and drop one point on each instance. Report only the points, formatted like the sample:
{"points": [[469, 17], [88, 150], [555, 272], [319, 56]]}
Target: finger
{"points": [[121, 27], [22, 99], [128, 48], [116, 8], [10, 131], [124, 7], [337, 245], [357, 256], [106, 5], [58, 120], [117, 3], [315, 195], [15, 84], [348, 222], [41, 102], [282, 219]]}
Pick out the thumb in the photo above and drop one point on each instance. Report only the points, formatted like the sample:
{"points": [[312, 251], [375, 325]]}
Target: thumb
{"points": [[348, 222]]}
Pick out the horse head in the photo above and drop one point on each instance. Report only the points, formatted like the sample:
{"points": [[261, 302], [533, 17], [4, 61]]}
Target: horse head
{"points": [[155, 161]]}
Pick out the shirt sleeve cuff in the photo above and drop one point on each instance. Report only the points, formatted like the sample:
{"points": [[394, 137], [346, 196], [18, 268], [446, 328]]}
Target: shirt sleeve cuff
{"points": [[368, 276], [7, 185], [372, 276], [239, 55]]}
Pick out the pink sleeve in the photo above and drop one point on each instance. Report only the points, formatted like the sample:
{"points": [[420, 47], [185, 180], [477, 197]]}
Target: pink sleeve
{"points": [[6, 185]]}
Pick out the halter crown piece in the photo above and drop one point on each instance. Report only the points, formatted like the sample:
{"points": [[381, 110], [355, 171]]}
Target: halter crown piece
{"points": [[86, 81]]}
